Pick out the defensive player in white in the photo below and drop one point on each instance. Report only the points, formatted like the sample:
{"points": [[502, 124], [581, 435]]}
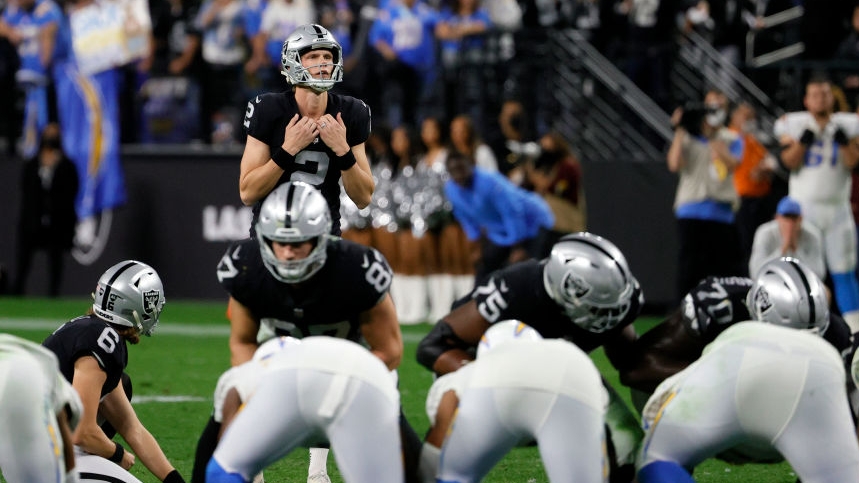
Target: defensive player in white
{"points": [[324, 390], [522, 389], [39, 410], [820, 148], [768, 389]]}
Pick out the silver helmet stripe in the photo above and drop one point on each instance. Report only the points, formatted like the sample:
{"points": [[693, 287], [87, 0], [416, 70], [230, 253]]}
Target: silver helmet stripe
{"points": [[603, 250], [287, 221], [109, 284]]}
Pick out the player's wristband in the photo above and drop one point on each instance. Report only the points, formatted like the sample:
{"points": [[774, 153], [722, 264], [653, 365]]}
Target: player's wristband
{"points": [[283, 159], [118, 453], [173, 477], [346, 161]]}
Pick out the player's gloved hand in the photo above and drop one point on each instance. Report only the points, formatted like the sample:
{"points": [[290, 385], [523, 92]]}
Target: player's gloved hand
{"points": [[840, 137], [807, 137]]}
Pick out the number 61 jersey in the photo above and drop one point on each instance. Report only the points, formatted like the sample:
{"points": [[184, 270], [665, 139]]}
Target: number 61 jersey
{"points": [[89, 336], [354, 279]]}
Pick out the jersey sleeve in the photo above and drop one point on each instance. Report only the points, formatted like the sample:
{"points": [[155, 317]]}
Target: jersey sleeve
{"points": [[715, 304], [359, 123], [510, 293], [371, 280], [792, 124], [230, 268], [848, 122], [261, 116]]}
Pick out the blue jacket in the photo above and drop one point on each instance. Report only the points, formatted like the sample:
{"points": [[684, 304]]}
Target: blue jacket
{"points": [[507, 213]]}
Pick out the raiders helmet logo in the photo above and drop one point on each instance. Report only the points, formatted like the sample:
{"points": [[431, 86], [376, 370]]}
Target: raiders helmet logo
{"points": [[150, 300], [575, 286], [762, 300]]}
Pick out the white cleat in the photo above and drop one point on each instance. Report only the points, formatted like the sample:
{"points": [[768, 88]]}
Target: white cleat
{"points": [[320, 477]]}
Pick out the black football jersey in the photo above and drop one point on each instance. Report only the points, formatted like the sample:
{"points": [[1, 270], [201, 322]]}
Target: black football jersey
{"points": [[517, 292], [353, 280], [266, 119], [715, 304], [89, 336]]}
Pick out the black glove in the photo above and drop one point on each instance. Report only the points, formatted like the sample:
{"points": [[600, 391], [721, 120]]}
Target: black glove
{"points": [[840, 137], [807, 137]]}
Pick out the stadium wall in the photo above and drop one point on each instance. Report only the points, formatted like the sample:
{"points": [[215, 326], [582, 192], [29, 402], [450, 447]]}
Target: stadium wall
{"points": [[183, 210]]}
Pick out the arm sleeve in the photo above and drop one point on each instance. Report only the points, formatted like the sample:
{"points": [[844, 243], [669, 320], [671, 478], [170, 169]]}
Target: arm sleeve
{"points": [[512, 209], [472, 231]]}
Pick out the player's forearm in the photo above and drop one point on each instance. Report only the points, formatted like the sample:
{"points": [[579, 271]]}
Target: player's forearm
{"points": [[241, 351], [793, 155], [147, 450], [359, 185], [90, 438], [451, 361], [256, 184]]}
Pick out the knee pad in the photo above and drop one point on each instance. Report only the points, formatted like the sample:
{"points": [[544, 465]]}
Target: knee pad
{"points": [[664, 472], [217, 474]]}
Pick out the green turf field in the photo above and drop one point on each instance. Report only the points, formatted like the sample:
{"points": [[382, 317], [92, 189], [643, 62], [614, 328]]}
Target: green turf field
{"points": [[174, 373]]}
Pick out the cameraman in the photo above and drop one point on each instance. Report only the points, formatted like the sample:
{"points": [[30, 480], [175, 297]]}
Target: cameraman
{"points": [[704, 153]]}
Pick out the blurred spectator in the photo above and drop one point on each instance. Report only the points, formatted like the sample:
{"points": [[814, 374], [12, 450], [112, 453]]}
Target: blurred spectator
{"points": [[506, 222], [512, 141], [721, 22], [279, 18], [752, 177], [9, 116], [49, 185], [465, 139], [32, 26], [650, 45], [221, 24], [462, 44], [402, 38], [170, 100], [787, 236], [556, 175], [704, 153], [848, 59]]}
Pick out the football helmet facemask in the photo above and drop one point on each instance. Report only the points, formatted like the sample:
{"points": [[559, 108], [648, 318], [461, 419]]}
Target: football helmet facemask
{"points": [[294, 212], [788, 293], [130, 294], [505, 331], [302, 40], [589, 278]]}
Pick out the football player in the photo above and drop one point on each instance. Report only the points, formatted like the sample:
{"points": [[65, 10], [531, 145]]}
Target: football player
{"points": [[521, 389], [712, 306], [766, 389], [307, 133], [92, 353], [39, 409], [324, 390], [821, 148], [281, 283], [583, 292]]}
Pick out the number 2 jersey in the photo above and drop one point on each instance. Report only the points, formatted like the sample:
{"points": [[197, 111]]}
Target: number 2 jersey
{"points": [[354, 279], [517, 292], [89, 336], [266, 119]]}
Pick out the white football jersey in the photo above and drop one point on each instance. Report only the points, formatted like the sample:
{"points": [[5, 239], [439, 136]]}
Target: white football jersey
{"points": [[823, 177], [62, 393], [453, 381]]}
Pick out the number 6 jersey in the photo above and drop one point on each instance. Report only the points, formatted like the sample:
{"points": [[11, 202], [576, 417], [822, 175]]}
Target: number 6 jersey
{"points": [[89, 336], [353, 280]]}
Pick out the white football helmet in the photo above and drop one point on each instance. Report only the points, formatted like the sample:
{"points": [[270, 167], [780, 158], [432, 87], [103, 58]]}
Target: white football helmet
{"points": [[787, 293], [505, 331], [588, 276], [131, 294], [294, 212], [302, 40]]}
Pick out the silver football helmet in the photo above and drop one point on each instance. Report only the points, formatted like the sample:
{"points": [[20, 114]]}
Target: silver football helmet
{"points": [[302, 40], [294, 212], [787, 293], [588, 276], [130, 294]]}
